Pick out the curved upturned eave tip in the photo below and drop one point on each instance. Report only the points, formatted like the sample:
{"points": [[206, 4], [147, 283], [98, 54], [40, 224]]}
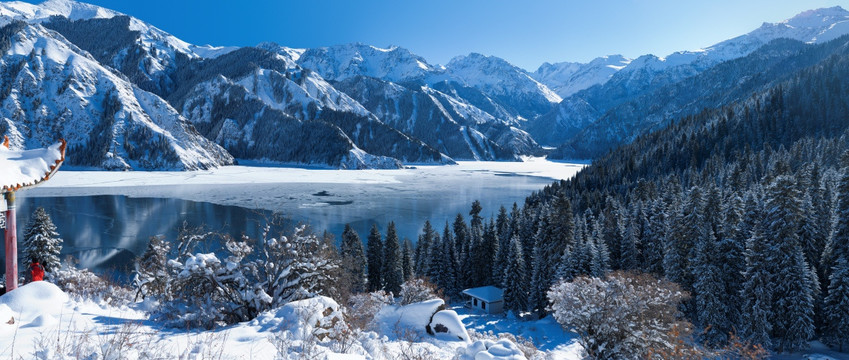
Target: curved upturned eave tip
{"points": [[53, 168]]}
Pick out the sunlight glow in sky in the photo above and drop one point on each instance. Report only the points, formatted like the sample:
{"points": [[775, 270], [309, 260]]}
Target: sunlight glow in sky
{"points": [[526, 33]]}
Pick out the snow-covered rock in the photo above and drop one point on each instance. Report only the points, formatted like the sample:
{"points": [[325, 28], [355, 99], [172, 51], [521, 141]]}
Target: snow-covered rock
{"points": [[491, 350], [39, 299], [446, 324]]}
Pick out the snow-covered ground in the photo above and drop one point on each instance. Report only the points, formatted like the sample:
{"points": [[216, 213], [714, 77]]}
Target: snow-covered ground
{"points": [[48, 324]]}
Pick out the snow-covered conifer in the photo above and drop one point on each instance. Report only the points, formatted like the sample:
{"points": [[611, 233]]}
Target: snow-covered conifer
{"points": [[353, 259], [393, 265], [374, 254], [41, 241], [515, 278]]}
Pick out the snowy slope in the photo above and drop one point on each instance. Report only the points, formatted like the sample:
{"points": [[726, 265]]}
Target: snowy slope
{"points": [[297, 91], [53, 89], [438, 119], [39, 320]]}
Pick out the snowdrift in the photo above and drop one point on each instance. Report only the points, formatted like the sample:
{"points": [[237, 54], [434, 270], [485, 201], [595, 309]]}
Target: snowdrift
{"points": [[491, 350], [39, 303]]}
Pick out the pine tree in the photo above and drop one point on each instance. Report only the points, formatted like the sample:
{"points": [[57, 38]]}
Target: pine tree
{"points": [[424, 247], [407, 260], [836, 307], [793, 302], [810, 236], [654, 239], [600, 261], [628, 251], [680, 244], [41, 241], [757, 312], [838, 243], [731, 254], [393, 266], [612, 231], [515, 278], [374, 254], [463, 245], [353, 259], [450, 270], [709, 290], [436, 262], [537, 301], [488, 252], [503, 234]]}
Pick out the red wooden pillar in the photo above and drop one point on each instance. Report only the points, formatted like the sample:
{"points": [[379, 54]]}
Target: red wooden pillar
{"points": [[11, 244]]}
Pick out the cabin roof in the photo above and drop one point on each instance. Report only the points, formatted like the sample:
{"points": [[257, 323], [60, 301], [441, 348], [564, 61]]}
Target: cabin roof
{"points": [[27, 168], [486, 293]]}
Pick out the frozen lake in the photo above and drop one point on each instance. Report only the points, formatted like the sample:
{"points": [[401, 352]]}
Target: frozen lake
{"points": [[106, 218]]}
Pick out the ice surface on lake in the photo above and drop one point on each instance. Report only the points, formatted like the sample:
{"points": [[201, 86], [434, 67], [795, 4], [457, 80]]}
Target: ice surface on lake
{"points": [[106, 217]]}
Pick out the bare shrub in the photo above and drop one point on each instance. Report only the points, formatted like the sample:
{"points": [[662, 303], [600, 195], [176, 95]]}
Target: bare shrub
{"points": [[418, 290], [363, 307]]}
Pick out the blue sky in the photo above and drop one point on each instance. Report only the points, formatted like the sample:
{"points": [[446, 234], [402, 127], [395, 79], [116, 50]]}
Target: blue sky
{"points": [[526, 33]]}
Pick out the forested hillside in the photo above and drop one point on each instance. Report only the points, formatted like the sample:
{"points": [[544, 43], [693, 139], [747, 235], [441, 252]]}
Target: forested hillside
{"points": [[746, 207]]}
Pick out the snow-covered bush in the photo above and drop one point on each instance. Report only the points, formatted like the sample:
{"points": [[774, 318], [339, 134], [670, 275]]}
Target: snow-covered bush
{"points": [[362, 308], [84, 284], [418, 290], [626, 316], [205, 290]]}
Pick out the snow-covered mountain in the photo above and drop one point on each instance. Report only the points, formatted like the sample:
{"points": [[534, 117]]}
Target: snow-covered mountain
{"points": [[648, 74], [504, 82], [51, 89], [567, 78], [304, 119], [415, 97], [340, 62], [253, 87], [449, 124]]}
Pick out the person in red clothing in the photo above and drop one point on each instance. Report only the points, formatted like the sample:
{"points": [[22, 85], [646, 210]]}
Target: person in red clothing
{"points": [[36, 271]]}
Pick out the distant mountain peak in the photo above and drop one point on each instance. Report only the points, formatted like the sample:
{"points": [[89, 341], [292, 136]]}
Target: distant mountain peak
{"points": [[78, 11], [818, 17], [339, 62]]}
